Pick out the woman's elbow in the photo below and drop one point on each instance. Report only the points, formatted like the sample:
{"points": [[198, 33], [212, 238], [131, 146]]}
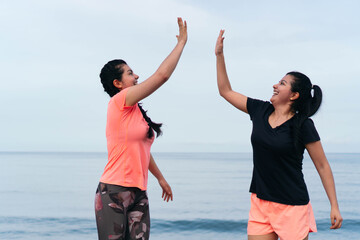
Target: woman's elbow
{"points": [[163, 76], [224, 93]]}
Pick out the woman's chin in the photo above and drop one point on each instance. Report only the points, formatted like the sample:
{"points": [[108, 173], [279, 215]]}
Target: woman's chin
{"points": [[272, 99]]}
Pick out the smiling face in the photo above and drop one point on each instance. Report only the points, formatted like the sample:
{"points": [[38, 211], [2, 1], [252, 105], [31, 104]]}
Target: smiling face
{"points": [[282, 91], [128, 78]]}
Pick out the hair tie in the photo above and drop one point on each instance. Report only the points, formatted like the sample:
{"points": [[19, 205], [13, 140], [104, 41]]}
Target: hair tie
{"points": [[312, 91]]}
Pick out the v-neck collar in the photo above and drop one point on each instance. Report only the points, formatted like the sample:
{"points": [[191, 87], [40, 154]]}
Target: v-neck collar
{"points": [[272, 109]]}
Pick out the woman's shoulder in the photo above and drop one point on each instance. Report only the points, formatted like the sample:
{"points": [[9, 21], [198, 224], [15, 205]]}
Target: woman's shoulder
{"points": [[119, 95], [256, 101], [309, 132], [308, 122], [255, 105], [119, 99]]}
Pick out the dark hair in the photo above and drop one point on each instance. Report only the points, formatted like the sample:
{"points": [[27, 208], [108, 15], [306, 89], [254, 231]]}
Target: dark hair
{"points": [[305, 105], [114, 70]]}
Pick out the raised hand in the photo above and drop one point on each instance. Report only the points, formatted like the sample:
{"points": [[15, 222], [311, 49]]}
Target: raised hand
{"points": [[219, 43], [140, 91], [182, 37]]}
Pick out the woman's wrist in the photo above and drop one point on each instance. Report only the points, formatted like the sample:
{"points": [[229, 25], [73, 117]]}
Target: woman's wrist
{"points": [[160, 178], [334, 205], [219, 55]]}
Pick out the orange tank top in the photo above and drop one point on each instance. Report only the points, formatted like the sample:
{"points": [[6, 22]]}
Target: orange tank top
{"points": [[127, 143]]}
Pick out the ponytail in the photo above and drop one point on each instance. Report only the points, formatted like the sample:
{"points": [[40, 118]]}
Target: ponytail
{"points": [[113, 70], [316, 100], [306, 105]]}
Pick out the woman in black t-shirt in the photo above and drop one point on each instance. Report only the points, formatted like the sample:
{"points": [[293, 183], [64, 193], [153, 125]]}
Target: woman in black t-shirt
{"points": [[282, 130]]}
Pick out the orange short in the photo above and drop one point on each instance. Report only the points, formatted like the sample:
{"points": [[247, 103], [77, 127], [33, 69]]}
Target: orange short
{"points": [[289, 222]]}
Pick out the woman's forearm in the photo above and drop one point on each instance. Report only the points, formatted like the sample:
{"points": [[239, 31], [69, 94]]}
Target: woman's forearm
{"points": [[168, 66], [221, 74], [153, 168], [140, 91], [322, 166], [236, 99], [328, 182]]}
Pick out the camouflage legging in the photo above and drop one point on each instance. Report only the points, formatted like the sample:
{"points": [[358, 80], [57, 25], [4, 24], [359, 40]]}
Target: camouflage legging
{"points": [[122, 213]]}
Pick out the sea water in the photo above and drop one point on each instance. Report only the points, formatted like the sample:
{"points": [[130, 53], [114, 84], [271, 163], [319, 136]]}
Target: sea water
{"points": [[51, 196]]}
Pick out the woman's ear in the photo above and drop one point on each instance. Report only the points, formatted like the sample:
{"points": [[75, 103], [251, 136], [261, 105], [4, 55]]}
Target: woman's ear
{"points": [[117, 84], [294, 96]]}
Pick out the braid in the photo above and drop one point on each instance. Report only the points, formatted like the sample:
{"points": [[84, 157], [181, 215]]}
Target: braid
{"points": [[152, 126], [113, 70]]}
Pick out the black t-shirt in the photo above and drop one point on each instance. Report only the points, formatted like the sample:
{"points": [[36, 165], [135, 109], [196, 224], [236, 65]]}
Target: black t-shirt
{"points": [[277, 174]]}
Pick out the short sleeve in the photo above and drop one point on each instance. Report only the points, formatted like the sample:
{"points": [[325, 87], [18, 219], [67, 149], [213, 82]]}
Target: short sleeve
{"points": [[309, 132], [255, 106], [120, 99]]}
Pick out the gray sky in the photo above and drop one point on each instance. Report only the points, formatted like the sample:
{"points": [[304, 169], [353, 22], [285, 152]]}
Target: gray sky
{"points": [[51, 53]]}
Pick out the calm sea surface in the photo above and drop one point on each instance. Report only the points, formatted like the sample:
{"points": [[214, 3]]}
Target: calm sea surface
{"points": [[51, 196]]}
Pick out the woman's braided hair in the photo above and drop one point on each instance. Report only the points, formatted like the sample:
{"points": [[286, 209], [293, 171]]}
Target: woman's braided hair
{"points": [[114, 70]]}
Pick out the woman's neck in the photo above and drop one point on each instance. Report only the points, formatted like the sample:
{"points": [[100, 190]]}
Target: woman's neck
{"points": [[283, 112], [279, 116]]}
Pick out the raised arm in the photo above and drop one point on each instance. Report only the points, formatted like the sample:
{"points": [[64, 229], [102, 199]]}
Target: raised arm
{"points": [[138, 92], [236, 99], [318, 157]]}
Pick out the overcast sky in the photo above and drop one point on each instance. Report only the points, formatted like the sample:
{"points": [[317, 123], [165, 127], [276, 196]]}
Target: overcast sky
{"points": [[51, 53]]}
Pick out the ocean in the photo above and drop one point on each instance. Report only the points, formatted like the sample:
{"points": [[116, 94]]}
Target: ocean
{"points": [[51, 196]]}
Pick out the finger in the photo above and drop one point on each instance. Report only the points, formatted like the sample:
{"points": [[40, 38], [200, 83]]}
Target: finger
{"points": [[164, 193], [220, 37], [185, 24], [168, 196], [333, 223], [338, 223], [332, 220], [221, 33], [180, 22]]}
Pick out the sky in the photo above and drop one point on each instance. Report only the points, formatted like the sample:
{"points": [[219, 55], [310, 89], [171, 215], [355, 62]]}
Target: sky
{"points": [[51, 54]]}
